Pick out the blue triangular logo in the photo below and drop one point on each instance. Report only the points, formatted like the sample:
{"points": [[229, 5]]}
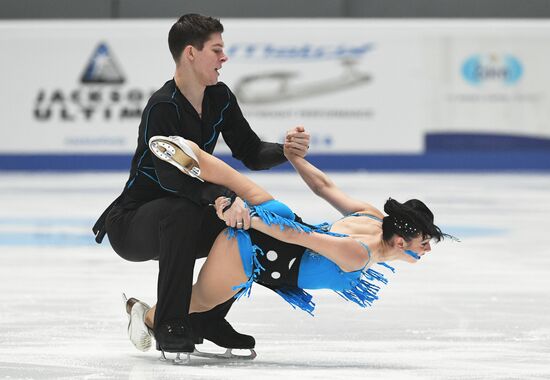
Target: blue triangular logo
{"points": [[102, 67]]}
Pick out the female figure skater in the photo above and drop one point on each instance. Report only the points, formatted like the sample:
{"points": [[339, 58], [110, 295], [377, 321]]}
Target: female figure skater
{"points": [[282, 252]]}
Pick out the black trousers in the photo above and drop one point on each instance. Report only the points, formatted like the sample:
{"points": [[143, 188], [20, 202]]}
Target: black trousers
{"points": [[174, 231]]}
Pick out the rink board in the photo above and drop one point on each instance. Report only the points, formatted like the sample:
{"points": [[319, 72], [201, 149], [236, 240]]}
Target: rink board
{"points": [[372, 93]]}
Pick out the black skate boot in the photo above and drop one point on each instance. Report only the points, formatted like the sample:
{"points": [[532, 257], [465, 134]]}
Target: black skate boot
{"points": [[213, 326], [176, 337]]}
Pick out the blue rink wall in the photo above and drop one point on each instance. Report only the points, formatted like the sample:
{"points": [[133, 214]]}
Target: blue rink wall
{"points": [[444, 152], [475, 161]]}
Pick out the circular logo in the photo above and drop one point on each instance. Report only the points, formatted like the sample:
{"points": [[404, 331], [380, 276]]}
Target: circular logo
{"points": [[478, 69]]}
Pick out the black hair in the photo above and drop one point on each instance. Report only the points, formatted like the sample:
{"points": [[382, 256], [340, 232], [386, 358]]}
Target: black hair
{"points": [[191, 29], [409, 220]]}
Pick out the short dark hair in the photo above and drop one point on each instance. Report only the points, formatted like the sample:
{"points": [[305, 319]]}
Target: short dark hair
{"points": [[191, 29], [409, 220]]}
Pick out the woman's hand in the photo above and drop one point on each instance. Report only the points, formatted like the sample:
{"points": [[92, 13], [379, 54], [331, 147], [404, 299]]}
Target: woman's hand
{"points": [[296, 143], [220, 204], [237, 216]]}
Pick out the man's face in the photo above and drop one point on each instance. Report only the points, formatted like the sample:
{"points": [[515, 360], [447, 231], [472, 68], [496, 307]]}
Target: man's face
{"points": [[209, 60]]}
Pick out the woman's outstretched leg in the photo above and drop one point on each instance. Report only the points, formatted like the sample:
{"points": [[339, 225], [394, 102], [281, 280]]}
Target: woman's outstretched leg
{"points": [[212, 169]]}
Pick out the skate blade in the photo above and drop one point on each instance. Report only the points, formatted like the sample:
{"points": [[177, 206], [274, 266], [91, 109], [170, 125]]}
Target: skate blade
{"points": [[167, 151], [125, 303], [178, 360], [227, 355]]}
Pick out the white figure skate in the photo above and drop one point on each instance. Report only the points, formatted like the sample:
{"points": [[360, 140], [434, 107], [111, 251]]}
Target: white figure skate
{"points": [[140, 335], [174, 150]]}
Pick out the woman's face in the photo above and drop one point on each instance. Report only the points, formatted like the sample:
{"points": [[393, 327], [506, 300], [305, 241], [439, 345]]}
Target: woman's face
{"points": [[416, 248]]}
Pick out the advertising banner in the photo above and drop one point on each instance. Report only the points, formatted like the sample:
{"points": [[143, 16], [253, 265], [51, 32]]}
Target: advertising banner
{"points": [[373, 94]]}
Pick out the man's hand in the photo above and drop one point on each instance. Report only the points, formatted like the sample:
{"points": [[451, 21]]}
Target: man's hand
{"points": [[236, 216], [296, 142]]}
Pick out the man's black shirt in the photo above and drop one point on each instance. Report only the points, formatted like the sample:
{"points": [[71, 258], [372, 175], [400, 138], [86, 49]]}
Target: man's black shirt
{"points": [[169, 113]]}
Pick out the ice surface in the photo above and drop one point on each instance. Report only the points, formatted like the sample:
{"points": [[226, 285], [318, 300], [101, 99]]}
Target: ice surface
{"points": [[478, 309]]}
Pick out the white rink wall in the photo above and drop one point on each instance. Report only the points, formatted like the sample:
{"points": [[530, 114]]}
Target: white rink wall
{"points": [[375, 94]]}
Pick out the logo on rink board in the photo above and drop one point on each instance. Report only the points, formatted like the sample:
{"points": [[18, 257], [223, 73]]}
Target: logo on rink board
{"points": [[478, 69], [102, 67], [101, 95]]}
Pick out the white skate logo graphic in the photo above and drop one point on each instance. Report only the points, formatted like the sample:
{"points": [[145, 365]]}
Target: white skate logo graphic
{"points": [[283, 85]]}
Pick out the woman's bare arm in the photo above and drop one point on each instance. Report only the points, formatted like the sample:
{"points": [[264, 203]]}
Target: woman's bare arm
{"points": [[324, 187], [345, 252]]}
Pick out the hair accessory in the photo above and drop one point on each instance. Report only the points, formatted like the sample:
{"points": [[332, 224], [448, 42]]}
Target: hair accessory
{"points": [[404, 226]]}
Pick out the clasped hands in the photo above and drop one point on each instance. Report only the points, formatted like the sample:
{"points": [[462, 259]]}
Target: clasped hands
{"points": [[238, 216]]}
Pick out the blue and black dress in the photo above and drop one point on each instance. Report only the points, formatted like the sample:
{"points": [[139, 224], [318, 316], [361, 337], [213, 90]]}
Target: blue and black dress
{"points": [[290, 269]]}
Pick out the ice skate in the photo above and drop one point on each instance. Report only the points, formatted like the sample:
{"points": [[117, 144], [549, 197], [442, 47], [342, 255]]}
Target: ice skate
{"points": [[175, 337], [174, 150], [139, 333], [222, 334]]}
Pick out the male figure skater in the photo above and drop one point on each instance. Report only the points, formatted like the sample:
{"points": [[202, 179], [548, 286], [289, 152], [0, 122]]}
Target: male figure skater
{"points": [[164, 215]]}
